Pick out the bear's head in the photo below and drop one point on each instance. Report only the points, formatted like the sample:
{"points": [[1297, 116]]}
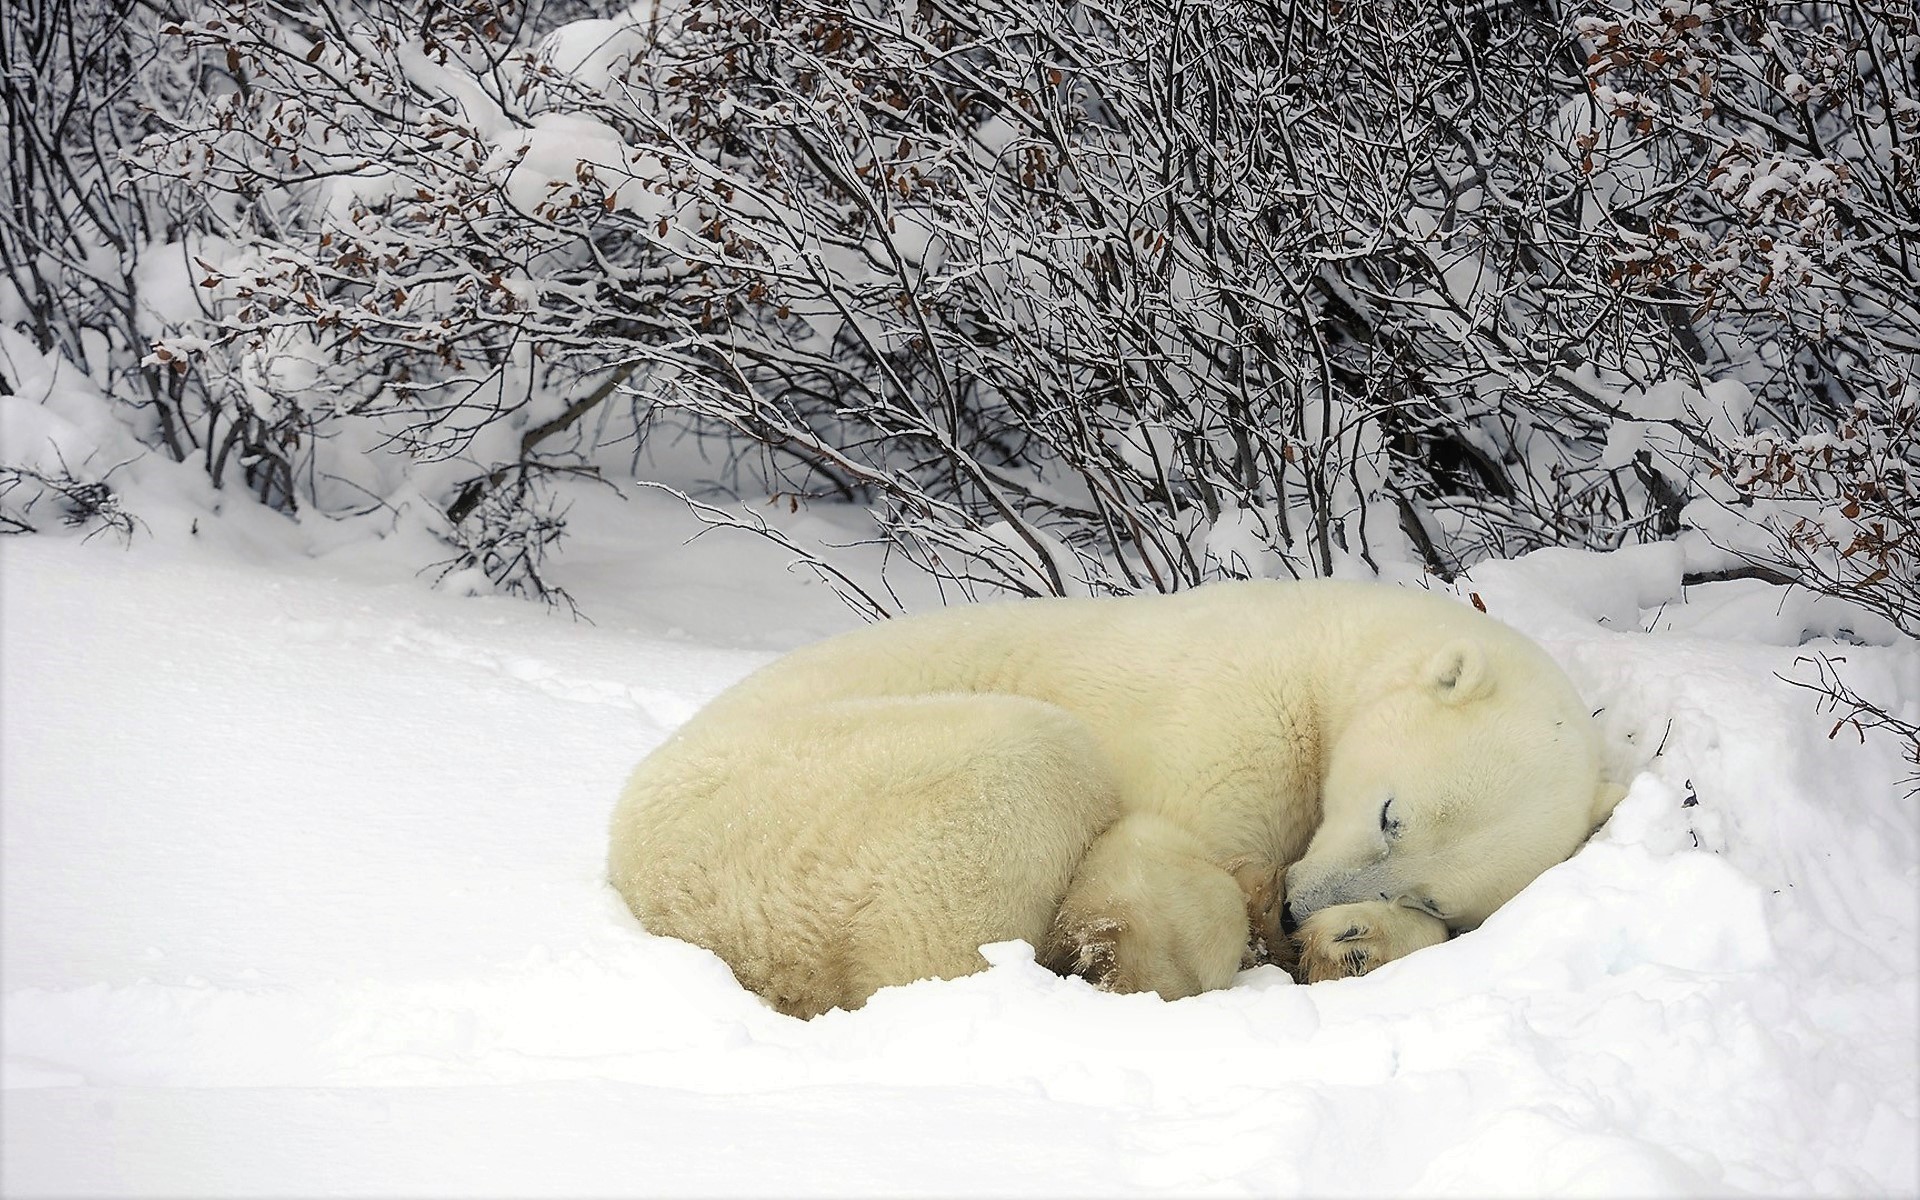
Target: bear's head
{"points": [[1454, 786]]}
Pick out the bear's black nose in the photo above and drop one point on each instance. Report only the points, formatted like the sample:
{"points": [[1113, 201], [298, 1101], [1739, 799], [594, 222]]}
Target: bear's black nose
{"points": [[1289, 920]]}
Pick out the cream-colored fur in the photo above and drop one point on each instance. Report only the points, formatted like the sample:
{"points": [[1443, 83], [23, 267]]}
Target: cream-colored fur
{"points": [[1119, 782]]}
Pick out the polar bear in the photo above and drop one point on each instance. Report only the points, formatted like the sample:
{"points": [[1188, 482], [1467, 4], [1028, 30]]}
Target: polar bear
{"points": [[1130, 784]]}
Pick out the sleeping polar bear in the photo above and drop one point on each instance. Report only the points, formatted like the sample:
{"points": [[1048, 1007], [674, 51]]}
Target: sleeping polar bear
{"points": [[1127, 784]]}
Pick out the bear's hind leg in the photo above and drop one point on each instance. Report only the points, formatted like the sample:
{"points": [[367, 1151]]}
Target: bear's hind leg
{"points": [[990, 802], [1148, 912], [829, 850]]}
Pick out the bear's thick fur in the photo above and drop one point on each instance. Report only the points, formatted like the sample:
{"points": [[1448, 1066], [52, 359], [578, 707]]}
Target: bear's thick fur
{"points": [[1120, 782]]}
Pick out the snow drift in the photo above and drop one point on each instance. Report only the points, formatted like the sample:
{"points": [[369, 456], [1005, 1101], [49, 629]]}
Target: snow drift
{"points": [[303, 893]]}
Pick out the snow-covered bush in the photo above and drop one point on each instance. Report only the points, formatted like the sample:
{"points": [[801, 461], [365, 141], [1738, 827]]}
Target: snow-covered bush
{"points": [[1775, 149], [1189, 291], [397, 298], [91, 267], [1778, 156], [1073, 298], [1781, 152]]}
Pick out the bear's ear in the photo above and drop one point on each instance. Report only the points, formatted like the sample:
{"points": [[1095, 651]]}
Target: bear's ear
{"points": [[1605, 797], [1459, 672]]}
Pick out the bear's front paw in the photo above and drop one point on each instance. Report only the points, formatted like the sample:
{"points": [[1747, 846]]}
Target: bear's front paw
{"points": [[1352, 939], [1335, 949]]}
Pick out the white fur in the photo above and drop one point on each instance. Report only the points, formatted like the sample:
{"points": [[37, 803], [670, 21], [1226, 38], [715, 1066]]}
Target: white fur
{"points": [[1117, 781]]}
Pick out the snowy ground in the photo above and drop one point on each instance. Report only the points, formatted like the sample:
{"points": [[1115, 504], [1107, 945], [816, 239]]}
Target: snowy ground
{"points": [[302, 895]]}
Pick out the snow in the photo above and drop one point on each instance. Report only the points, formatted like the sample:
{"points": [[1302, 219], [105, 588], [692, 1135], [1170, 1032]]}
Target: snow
{"points": [[302, 893], [546, 160], [598, 51]]}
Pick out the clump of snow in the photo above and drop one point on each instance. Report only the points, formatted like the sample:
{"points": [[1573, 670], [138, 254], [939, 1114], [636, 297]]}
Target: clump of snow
{"points": [[558, 153], [596, 51], [52, 417], [303, 893]]}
